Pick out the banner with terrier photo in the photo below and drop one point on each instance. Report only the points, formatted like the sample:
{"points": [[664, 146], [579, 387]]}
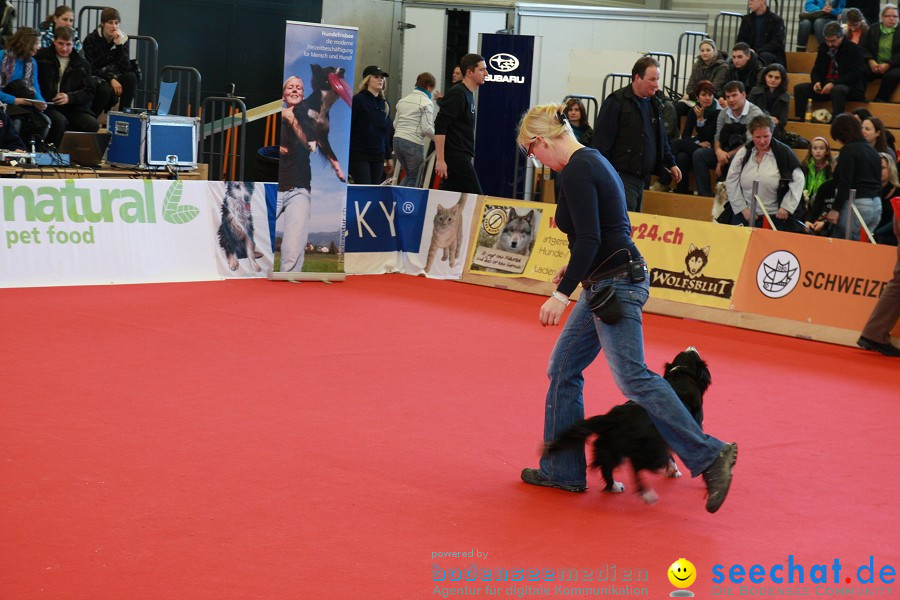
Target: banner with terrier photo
{"points": [[690, 261], [240, 220], [102, 231], [518, 239], [314, 146], [407, 230]]}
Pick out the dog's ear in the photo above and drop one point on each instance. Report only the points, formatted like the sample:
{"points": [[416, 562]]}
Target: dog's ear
{"points": [[704, 376], [667, 367]]}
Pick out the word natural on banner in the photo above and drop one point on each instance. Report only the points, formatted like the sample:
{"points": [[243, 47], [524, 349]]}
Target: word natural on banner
{"points": [[70, 204]]}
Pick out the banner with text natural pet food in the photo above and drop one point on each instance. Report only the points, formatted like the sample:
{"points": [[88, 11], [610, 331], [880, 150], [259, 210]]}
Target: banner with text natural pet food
{"points": [[314, 145], [518, 239], [96, 231], [407, 230]]}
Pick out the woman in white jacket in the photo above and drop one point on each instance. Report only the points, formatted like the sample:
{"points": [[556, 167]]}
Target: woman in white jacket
{"points": [[414, 122]]}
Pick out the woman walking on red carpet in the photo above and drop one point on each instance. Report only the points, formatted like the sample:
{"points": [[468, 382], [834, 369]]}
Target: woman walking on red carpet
{"points": [[591, 211]]}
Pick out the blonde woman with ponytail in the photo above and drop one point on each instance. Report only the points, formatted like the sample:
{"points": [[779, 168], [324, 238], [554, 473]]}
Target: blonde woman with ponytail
{"points": [[603, 259]]}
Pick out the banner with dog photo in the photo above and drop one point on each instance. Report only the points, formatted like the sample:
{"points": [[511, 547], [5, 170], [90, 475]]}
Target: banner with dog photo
{"points": [[241, 224], [690, 261], [518, 239], [314, 146], [407, 230]]}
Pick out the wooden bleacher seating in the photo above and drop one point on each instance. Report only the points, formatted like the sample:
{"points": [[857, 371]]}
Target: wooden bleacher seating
{"points": [[683, 206]]}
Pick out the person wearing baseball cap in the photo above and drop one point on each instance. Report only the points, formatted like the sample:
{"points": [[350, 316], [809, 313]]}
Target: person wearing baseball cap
{"points": [[371, 130]]}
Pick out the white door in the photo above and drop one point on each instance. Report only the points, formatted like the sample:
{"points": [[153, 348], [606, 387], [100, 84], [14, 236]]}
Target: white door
{"points": [[424, 46]]}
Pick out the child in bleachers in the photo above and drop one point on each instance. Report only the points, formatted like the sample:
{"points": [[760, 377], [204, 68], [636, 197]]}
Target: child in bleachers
{"points": [[817, 168]]}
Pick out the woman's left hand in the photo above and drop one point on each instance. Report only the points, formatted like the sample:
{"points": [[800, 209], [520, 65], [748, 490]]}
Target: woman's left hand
{"points": [[833, 216], [551, 311], [782, 214]]}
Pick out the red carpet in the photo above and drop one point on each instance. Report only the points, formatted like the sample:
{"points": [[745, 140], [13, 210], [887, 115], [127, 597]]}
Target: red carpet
{"points": [[251, 439]]}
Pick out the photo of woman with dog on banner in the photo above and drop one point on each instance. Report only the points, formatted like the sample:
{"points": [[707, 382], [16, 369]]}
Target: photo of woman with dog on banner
{"points": [[314, 150]]}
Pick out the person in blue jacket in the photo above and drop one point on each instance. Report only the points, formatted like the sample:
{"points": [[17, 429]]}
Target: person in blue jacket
{"points": [[19, 87], [371, 130]]}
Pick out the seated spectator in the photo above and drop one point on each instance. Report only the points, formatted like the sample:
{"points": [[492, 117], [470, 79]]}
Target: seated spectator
{"points": [[815, 16], [699, 132], [868, 8], [578, 119], [744, 67], [106, 49], [837, 74], [20, 89], [876, 135], [66, 77], [710, 66], [9, 138], [764, 32], [881, 48], [731, 134], [63, 16], [818, 167], [854, 26], [413, 123], [775, 168], [772, 97], [859, 168], [890, 187]]}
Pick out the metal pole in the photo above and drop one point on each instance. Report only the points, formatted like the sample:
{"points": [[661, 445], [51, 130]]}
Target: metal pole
{"points": [[849, 208], [752, 221]]}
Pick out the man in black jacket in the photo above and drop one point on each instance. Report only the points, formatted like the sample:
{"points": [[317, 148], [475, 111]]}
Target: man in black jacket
{"points": [[630, 133], [454, 130], [836, 75], [65, 78], [764, 31]]}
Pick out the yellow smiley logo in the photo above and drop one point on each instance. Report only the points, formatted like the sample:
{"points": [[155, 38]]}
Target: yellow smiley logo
{"points": [[682, 573]]}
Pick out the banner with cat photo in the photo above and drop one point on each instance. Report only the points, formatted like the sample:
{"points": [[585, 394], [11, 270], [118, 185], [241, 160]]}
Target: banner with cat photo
{"points": [[317, 94], [407, 230], [690, 261], [518, 239], [240, 221]]}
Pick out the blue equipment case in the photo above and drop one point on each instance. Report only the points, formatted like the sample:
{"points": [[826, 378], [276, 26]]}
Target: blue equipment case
{"points": [[142, 140]]}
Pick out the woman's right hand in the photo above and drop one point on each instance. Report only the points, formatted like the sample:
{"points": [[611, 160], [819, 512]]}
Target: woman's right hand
{"points": [[21, 102], [551, 311], [698, 110]]}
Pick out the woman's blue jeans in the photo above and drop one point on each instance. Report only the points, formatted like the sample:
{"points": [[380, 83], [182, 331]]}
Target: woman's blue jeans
{"points": [[579, 343], [869, 209]]}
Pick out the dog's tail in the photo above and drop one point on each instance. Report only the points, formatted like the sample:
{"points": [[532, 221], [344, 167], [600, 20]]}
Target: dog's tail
{"points": [[575, 436]]}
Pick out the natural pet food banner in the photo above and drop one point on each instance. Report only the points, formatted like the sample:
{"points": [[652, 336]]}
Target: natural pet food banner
{"points": [[518, 239], [95, 231], [407, 230], [690, 261]]}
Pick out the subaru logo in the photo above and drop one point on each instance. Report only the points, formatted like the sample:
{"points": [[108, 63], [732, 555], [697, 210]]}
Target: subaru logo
{"points": [[504, 62]]}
